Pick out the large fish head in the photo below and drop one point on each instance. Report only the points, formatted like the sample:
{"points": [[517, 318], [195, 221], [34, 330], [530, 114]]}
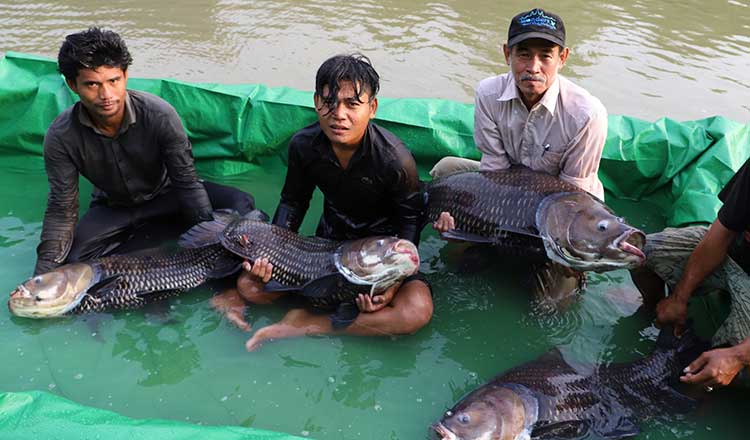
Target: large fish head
{"points": [[489, 413], [380, 261], [52, 294], [581, 232]]}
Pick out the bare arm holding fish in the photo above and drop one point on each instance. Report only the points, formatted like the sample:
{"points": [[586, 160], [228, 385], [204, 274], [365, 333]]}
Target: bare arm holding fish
{"points": [[706, 257]]}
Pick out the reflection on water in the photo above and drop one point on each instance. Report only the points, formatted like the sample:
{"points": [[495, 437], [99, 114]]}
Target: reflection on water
{"points": [[681, 59]]}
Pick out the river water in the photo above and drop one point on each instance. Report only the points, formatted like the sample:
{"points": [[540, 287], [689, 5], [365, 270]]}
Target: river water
{"points": [[679, 59], [648, 59]]}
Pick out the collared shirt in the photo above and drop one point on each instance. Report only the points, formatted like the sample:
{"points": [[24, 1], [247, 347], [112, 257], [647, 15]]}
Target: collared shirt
{"points": [[376, 194], [563, 134], [149, 154]]}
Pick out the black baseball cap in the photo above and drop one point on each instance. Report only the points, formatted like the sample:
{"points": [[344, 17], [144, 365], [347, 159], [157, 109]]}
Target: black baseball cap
{"points": [[536, 23]]}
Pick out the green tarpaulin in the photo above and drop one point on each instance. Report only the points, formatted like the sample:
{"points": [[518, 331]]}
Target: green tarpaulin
{"points": [[679, 166], [38, 415]]}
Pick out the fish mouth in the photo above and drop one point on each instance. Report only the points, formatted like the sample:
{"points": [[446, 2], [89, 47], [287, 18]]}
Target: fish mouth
{"points": [[443, 432], [632, 242], [407, 247]]}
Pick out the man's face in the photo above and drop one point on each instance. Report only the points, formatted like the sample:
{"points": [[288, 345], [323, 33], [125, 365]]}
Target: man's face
{"points": [[102, 91], [345, 121], [535, 63]]}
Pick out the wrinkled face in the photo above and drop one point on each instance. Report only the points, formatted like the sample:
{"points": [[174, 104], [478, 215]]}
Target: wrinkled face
{"points": [[344, 119], [51, 294], [581, 232], [378, 260], [494, 415], [535, 64], [102, 91]]}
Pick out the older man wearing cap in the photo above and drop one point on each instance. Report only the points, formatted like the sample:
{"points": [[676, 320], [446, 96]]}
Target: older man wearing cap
{"points": [[531, 115]]}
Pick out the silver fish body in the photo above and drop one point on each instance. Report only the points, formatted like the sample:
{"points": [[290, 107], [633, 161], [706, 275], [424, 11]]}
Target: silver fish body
{"points": [[548, 398], [535, 214], [119, 282]]}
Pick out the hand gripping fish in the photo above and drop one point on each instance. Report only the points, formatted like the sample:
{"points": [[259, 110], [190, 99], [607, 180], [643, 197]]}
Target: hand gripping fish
{"points": [[535, 213], [548, 399], [329, 273]]}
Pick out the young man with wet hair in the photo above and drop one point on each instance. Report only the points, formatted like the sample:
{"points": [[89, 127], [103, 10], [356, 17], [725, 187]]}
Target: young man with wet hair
{"points": [[130, 145], [533, 116], [370, 184], [696, 259]]}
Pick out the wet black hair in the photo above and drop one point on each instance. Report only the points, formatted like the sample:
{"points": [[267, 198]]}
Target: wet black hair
{"points": [[91, 49], [356, 68]]}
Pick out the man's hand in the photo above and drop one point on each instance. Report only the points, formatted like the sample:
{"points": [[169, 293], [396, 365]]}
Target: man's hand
{"points": [[367, 304], [672, 310], [719, 366], [444, 223], [261, 271]]}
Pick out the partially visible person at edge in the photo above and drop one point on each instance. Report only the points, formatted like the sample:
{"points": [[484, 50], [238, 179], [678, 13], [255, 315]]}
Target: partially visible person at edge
{"points": [[531, 115], [695, 259], [370, 185], [130, 145]]}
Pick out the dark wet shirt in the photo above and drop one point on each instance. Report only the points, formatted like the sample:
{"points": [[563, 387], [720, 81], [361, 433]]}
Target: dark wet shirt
{"points": [[377, 194], [735, 213], [150, 154]]}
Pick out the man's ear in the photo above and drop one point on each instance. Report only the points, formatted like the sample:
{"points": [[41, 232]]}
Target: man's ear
{"points": [[317, 101], [373, 107], [72, 84], [564, 56], [506, 52]]}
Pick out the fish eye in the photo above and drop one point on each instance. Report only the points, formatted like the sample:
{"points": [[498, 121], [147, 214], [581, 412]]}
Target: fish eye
{"points": [[464, 418], [38, 280], [602, 225]]}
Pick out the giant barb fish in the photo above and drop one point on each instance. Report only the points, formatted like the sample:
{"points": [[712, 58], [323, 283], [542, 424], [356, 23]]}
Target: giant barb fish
{"points": [[549, 399], [536, 214], [328, 273], [119, 282]]}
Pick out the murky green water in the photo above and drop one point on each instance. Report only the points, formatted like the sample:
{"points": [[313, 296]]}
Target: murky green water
{"points": [[684, 60]]}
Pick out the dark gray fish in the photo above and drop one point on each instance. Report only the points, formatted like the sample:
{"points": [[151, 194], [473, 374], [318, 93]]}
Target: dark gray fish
{"points": [[547, 398], [119, 282], [535, 214], [330, 274]]}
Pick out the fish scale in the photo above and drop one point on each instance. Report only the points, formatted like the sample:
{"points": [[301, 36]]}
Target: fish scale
{"points": [[298, 261], [489, 203], [144, 279]]}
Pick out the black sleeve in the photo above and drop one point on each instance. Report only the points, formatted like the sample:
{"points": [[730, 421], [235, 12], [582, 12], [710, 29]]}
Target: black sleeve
{"points": [[178, 158], [407, 197], [297, 191], [62, 207], [735, 213]]}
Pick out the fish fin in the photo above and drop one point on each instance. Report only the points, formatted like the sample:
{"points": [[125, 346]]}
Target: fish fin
{"points": [[456, 234], [552, 356], [344, 316], [206, 233], [224, 265], [625, 427], [672, 401], [324, 286], [257, 215], [275, 286], [103, 287], [568, 429]]}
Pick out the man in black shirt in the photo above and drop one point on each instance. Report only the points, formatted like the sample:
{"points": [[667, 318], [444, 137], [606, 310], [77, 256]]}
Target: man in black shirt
{"points": [[369, 180], [130, 145], [690, 259]]}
